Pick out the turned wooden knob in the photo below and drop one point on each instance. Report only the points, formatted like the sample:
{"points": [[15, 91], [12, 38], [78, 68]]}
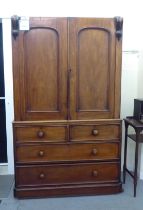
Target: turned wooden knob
{"points": [[94, 151], [41, 153], [95, 173], [95, 132], [42, 176], [40, 134]]}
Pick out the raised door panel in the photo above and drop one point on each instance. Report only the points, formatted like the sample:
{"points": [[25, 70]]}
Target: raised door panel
{"points": [[93, 68], [42, 84], [40, 57]]}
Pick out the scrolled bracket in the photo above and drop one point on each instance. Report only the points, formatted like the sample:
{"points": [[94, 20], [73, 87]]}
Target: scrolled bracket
{"points": [[15, 25], [119, 27]]}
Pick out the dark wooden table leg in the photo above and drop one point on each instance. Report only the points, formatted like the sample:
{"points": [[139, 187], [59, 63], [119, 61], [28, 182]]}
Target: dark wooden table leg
{"points": [[136, 161], [125, 152]]}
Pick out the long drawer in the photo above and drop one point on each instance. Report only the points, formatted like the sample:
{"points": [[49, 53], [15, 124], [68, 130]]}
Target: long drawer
{"points": [[94, 132], [66, 174], [67, 152], [41, 133]]}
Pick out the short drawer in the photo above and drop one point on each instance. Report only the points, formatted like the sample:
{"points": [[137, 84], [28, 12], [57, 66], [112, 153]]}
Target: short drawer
{"points": [[67, 152], [41, 133], [94, 132], [66, 174]]}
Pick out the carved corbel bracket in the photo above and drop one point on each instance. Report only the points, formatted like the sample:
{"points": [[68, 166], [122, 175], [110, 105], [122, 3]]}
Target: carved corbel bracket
{"points": [[119, 27], [15, 25]]}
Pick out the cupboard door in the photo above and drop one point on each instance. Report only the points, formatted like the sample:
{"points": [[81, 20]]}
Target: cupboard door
{"points": [[95, 68], [40, 70]]}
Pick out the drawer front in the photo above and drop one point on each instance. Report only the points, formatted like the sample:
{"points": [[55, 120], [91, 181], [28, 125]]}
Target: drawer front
{"points": [[94, 132], [67, 152], [41, 133], [66, 174]]}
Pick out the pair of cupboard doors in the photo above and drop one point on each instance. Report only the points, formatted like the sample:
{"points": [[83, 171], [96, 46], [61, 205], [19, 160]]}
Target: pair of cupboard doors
{"points": [[67, 69]]}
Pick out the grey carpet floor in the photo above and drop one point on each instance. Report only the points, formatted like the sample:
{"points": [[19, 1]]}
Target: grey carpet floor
{"points": [[121, 201], [6, 182]]}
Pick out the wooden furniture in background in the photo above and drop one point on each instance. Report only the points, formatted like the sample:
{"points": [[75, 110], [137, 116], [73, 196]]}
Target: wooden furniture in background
{"points": [[67, 131], [138, 138]]}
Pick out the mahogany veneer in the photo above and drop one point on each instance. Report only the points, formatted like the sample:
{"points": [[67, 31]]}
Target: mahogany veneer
{"points": [[67, 131]]}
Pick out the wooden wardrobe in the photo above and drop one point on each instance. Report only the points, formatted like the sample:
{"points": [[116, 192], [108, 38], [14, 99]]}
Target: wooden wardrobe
{"points": [[67, 131]]}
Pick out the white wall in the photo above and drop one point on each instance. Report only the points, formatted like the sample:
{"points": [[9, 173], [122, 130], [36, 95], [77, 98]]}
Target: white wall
{"points": [[132, 73], [8, 91], [129, 91]]}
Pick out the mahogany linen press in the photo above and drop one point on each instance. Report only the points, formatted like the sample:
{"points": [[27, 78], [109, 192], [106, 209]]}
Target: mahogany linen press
{"points": [[67, 127]]}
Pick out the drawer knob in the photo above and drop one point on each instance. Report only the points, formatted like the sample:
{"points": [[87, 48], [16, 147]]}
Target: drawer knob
{"points": [[94, 151], [40, 134], [95, 132], [42, 176], [95, 173], [41, 153]]}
